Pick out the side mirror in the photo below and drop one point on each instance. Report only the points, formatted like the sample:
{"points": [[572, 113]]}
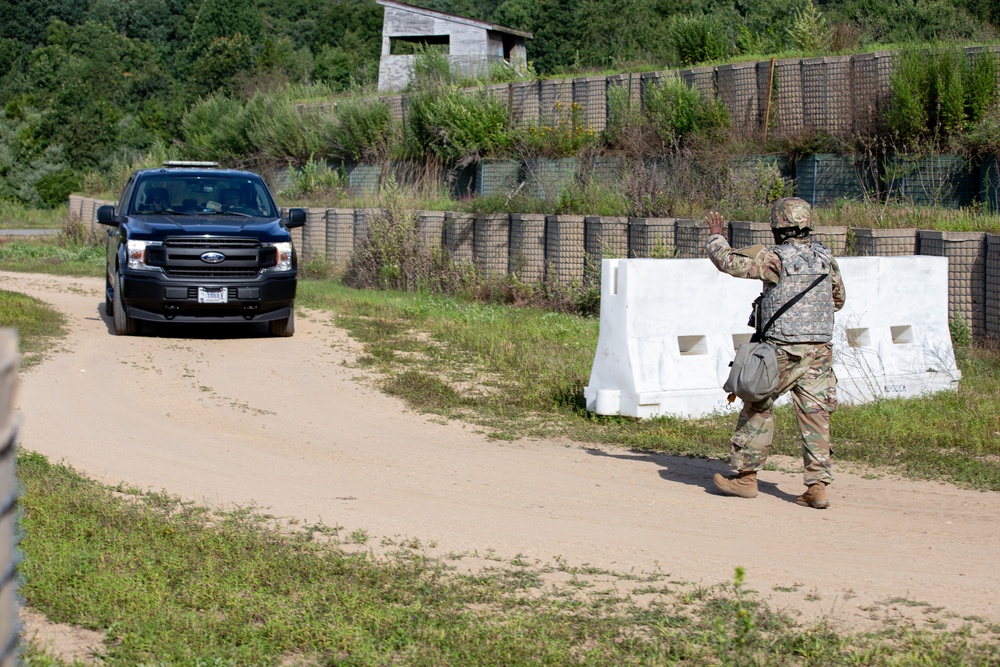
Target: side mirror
{"points": [[106, 215], [296, 218]]}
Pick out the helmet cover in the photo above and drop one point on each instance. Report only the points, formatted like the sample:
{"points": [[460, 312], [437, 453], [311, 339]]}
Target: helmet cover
{"points": [[791, 213]]}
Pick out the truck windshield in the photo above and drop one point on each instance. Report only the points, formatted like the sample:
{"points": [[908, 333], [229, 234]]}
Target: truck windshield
{"points": [[193, 194]]}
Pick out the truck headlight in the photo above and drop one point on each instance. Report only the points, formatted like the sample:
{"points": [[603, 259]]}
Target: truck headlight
{"points": [[283, 260], [135, 253]]}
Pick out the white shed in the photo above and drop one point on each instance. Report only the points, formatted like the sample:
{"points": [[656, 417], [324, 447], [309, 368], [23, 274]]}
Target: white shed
{"points": [[471, 46]]}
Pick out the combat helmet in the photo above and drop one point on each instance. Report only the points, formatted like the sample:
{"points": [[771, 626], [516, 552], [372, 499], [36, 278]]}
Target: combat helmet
{"points": [[791, 213]]}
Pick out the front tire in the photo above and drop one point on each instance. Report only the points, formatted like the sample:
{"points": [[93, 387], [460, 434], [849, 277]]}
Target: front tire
{"points": [[124, 325], [109, 306], [284, 327]]}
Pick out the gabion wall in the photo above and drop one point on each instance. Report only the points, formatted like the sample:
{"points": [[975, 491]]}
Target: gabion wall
{"points": [[993, 285], [966, 253], [567, 249]]}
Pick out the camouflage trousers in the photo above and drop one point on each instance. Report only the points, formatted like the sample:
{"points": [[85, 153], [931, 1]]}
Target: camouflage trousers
{"points": [[806, 370]]}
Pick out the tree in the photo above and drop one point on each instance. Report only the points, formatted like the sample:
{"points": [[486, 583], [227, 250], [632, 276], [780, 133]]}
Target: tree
{"points": [[558, 42], [225, 19]]}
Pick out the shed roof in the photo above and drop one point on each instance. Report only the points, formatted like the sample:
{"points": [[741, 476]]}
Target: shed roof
{"points": [[454, 17]]}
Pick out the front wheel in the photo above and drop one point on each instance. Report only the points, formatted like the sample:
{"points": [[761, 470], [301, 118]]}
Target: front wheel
{"points": [[284, 327], [124, 325]]}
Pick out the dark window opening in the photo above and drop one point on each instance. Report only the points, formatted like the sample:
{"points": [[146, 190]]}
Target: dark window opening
{"points": [[409, 46], [509, 42]]}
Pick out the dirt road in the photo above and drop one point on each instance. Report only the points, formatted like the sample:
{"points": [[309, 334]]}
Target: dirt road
{"points": [[228, 415]]}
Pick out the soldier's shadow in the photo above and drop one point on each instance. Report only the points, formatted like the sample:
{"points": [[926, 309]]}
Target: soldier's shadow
{"points": [[690, 470]]}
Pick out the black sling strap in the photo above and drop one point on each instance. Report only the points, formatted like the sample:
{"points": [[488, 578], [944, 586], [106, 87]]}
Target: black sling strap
{"points": [[759, 335]]}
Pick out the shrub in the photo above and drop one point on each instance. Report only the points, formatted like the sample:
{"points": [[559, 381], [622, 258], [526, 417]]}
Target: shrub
{"points": [[809, 31], [214, 129], [981, 86], [696, 39], [314, 178], [947, 92], [279, 133], [457, 126], [749, 190], [365, 130], [568, 136], [675, 111], [939, 94], [907, 116]]}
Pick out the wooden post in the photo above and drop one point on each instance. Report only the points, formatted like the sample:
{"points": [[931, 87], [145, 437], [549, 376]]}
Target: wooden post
{"points": [[767, 108]]}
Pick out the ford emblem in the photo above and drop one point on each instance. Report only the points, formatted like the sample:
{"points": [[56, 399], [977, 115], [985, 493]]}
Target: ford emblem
{"points": [[213, 257]]}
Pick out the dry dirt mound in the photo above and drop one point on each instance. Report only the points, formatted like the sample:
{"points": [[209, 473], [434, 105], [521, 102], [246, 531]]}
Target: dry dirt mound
{"points": [[228, 415]]}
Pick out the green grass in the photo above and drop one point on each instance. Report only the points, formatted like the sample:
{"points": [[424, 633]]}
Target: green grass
{"points": [[17, 216], [56, 255], [38, 325], [171, 583], [521, 372]]}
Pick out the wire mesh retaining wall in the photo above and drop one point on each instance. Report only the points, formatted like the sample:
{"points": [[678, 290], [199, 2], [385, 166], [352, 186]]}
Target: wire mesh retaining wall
{"points": [[652, 237], [743, 234], [459, 236], [524, 109], [836, 95], [966, 253], [884, 242], [339, 236], [491, 244], [993, 285], [497, 176], [738, 90], [604, 238], [834, 238], [937, 180], [528, 245], [631, 83], [547, 178], [8, 498], [989, 183], [314, 233], [555, 98], [430, 230], [822, 178], [590, 93], [690, 237], [564, 248]]}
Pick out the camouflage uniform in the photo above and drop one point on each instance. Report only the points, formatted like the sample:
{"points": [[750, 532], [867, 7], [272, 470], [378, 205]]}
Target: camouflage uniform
{"points": [[805, 369]]}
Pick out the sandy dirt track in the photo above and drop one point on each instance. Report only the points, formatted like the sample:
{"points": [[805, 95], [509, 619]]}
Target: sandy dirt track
{"points": [[226, 415]]}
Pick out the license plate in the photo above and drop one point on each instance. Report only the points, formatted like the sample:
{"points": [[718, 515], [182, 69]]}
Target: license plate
{"points": [[212, 295]]}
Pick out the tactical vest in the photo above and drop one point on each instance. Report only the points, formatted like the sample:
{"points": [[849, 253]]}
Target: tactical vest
{"points": [[811, 319]]}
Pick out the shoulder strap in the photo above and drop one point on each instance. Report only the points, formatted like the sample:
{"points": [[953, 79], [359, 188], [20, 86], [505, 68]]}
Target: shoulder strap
{"points": [[759, 335]]}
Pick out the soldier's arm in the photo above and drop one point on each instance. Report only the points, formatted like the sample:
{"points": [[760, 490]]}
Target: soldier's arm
{"points": [[756, 262], [839, 293]]}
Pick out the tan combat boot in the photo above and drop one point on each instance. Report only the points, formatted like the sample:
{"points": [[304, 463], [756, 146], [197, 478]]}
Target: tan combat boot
{"points": [[742, 485], [815, 496]]}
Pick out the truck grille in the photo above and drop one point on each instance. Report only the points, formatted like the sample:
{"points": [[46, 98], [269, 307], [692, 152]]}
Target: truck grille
{"points": [[243, 257]]}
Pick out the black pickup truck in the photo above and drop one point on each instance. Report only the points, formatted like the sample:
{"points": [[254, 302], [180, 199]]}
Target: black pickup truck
{"points": [[189, 242]]}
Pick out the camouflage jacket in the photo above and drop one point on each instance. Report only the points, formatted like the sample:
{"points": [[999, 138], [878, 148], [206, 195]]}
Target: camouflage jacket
{"points": [[762, 263]]}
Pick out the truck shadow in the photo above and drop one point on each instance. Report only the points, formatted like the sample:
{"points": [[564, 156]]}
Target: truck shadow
{"points": [[193, 330], [690, 470]]}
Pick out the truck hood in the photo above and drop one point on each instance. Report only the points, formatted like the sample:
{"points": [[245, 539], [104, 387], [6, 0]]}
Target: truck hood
{"points": [[159, 227]]}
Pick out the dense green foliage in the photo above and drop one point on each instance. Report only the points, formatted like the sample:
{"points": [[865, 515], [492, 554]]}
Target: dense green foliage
{"points": [[88, 85]]}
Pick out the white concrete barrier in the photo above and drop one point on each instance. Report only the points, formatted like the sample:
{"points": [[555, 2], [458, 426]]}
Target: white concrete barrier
{"points": [[670, 328]]}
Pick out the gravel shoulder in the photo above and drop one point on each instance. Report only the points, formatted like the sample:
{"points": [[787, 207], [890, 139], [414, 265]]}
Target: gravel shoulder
{"points": [[228, 416]]}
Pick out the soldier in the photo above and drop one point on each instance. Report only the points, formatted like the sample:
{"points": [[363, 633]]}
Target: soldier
{"points": [[802, 337]]}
